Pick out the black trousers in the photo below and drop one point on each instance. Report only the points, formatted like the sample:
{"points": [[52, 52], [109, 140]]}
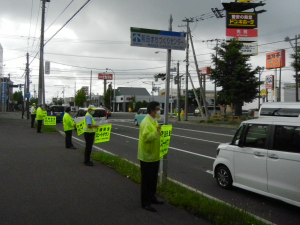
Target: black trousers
{"points": [[32, 119], [39, 127], [68, 138], [149, 172], [89, 141]]}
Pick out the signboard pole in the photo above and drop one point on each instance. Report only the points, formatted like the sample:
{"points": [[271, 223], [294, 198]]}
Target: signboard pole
{"points": [[164, 162]]}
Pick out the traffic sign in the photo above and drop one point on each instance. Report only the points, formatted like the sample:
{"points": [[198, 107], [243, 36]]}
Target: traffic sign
{"points": [[149, 38]]}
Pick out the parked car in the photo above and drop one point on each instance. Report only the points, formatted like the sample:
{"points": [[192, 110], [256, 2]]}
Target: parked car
{"points": [[210, 109], [58, 111], [263, 157], [279, 109], [142, 113], [99, 115]]}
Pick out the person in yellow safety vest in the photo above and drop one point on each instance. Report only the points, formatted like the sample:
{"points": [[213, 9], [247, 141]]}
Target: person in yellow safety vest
{"points": [[68, 127], [33, 114], [39, 118], [149, 156], [181, 113], [89, 135]]}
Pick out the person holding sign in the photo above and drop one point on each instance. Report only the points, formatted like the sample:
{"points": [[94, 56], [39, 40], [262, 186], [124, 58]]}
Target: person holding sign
{"points": [[39, 118], [68, 127], [89, 135], [149, 156]]}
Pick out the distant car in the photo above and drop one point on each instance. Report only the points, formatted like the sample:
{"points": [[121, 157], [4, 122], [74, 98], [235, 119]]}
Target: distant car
{"points": [[210, 110], [108, 113], [58, 111], [99, 115], [142, 113]]}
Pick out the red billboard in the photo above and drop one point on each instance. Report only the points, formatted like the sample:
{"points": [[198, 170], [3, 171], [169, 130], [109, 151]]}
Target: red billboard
{"points": [[275, 59], [204, 70], [247, 35], [105, 76]]}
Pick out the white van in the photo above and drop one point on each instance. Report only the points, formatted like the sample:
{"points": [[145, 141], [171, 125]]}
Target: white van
{"points": [[279, 109], [263, 157]]}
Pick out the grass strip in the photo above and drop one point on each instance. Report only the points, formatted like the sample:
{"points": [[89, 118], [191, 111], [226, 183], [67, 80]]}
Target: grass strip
{"points": [[48, 128], [216, 212]]}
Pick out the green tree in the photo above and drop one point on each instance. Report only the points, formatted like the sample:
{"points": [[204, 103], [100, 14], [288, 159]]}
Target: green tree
{"points": [[108, 97], [33, 100], [59, 101], [80, 98], [18, 96], [234, 74]]}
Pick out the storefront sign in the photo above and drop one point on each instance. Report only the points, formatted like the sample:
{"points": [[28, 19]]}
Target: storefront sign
{"points": [[275, 59], [241, 20], [243, 35], [270, 82], [105, 76]]}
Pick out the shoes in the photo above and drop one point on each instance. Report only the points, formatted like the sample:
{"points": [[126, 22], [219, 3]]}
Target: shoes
{"points": [[149, 208], [158, 202], [72, 147], [39, 132], [32, 127], [89, 163]]}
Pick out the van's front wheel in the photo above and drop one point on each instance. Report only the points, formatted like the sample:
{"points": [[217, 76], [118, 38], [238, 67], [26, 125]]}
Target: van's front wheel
{"points": [[136, 122], [223, 177]]}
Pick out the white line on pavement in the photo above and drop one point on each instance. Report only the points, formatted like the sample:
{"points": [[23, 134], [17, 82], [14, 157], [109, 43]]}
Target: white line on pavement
{"points": [[180, 135], [176, 149]]}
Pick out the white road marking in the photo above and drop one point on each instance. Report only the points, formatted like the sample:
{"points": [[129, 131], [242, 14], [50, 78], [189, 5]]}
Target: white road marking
{"points": [[227, 135], [176, 149], [209, 171], [198, 139]]}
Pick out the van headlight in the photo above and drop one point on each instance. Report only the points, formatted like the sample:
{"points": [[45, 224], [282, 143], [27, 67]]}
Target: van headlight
{"points": [[218, 150]]}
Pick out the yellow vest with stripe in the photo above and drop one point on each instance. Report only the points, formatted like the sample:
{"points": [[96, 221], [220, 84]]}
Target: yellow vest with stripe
{"points": [[33, 110], [89, 130]]}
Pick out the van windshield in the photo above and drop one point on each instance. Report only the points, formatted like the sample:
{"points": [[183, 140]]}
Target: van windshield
{"points": [[280, 112], [57, 109]]}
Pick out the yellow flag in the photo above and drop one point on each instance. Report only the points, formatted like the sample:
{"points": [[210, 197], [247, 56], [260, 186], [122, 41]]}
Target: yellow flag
{"points": [[80, 126], [103, 133], [166, 131], [50, 120]]}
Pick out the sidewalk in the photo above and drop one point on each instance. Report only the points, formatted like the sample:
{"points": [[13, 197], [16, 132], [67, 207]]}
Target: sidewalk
{"points": [[44, 183]]}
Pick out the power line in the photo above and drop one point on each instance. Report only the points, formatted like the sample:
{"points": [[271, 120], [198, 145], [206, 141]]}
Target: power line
{"points": [[59, 15], [68, 21]]}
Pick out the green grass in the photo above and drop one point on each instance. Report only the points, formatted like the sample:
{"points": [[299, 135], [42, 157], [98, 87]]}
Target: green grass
{"points": [[214, 211], [48, 129]]}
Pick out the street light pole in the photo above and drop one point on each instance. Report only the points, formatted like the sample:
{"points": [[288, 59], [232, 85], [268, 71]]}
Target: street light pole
{"points": [[114, 102]]}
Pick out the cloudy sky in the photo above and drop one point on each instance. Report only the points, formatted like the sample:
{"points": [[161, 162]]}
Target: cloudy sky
{"points": [[98, 37]]}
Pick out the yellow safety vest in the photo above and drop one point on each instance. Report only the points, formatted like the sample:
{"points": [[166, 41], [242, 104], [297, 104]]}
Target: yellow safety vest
{"points": [[33, 110], [90, 130]]}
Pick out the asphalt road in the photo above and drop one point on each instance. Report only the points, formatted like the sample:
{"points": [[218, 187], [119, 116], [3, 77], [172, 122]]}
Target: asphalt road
{"points": [[190, 159]]}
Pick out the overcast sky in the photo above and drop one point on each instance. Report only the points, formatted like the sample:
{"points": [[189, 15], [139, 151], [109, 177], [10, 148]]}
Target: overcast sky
{"points": [[98, 37]]}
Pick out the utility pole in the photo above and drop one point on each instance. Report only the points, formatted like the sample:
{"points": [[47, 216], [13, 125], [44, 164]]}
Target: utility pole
{"points": [[27, 86], [41, 85], [188, 21], [178, 92], [198, 73], [74, 94], [260, 71], [296, 61], [91, 87], [164, 161]]}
